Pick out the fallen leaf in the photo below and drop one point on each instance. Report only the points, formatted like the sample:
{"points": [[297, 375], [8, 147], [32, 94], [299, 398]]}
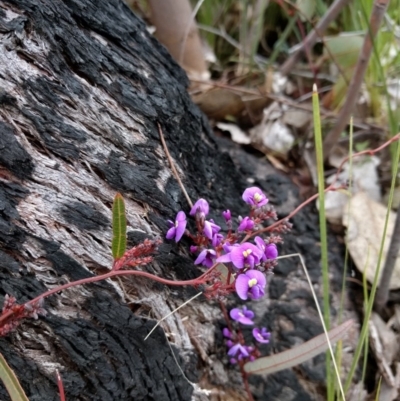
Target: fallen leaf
{"points": [[365, 220]]}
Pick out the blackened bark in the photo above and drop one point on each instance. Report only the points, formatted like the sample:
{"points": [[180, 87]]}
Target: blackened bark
{"points": [[83, 86]]}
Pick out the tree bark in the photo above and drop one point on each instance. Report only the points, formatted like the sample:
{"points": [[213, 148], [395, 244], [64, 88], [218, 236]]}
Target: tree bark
{"points": [[83, 87]]}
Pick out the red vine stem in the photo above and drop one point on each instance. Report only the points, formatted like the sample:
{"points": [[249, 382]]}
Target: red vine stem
{"points": [[198, 281]]}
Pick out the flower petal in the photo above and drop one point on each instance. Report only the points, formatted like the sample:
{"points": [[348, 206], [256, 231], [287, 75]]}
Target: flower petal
{"points": [[242, 286], [171, 233]]}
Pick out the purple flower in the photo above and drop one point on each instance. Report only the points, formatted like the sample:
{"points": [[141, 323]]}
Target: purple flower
{"points": [[246, 224], [210, 228], [251, 283], [177, 229], [254, 197], [270, 251], [206, 258], [193, 248], [261, 335], [242, 316], [243, 255], [216, 240], [227, 215], [239, 351], [200, 208]]}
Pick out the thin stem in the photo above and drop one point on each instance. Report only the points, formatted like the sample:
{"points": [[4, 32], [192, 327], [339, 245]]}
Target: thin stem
{"points": [[197, 281], [173, 168], [60, 386]]}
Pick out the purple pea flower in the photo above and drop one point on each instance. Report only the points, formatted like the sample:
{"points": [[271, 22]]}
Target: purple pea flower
{"points": [[206, 258], [243, 316], [227, 215], [210, 228], [177, 229], [254, 197], [216, 240], [200, 208], [246, 224], [251, 283], [243, 255], [270, 251], [261, 335], [239, 351]]}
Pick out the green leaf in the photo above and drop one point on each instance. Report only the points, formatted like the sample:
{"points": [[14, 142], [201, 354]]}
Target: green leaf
{"points": [[11, 382], [119, 227], [306, 8], [299, 354]]}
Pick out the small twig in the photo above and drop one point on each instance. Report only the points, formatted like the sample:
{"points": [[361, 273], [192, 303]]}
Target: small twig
{"points": [[173, 168], [377, 14], [171, 313], [382, 294], [316, 33]]}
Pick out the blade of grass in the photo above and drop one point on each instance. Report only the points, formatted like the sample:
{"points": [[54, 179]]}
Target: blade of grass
{"points": [[11, 382], [322, 229]]}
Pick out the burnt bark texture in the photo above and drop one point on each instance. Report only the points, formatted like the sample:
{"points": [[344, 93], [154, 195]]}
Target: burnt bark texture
{"points": [[82, 89]]}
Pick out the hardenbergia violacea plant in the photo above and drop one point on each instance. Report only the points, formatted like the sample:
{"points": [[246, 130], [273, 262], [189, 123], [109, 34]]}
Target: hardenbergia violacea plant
{"points": [[238, 260]]}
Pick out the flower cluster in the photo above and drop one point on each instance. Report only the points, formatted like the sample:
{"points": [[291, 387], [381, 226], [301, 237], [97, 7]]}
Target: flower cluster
{"points": [[247, 262], [237, 349]]}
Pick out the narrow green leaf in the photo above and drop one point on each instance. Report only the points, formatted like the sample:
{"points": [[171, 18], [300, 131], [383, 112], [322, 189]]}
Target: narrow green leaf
{"points": [[119, 227], [11, 382], [299, 354]]}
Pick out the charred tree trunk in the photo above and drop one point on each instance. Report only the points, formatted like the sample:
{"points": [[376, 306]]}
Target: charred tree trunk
{"points": [[83, 87]]}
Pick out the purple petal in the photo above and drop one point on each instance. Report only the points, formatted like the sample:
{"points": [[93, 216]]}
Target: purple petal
{"points": [[227, 215], [254, 196], [261, 335], [256, 292], [242, 316], [171, 233], [201, 206], [224, 258], [271, 251], [207, 230], [226, 333], [237, 257], [180, 230], [201, 257], [242, 286], [260, 277]]}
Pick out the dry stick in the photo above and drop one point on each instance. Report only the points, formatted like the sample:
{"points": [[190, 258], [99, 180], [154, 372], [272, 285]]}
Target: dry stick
{"points": [[382, 294], [173, 165], [377, 14], [312, 37]]}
